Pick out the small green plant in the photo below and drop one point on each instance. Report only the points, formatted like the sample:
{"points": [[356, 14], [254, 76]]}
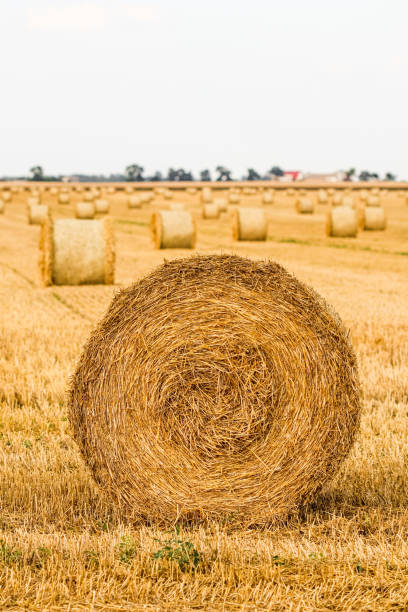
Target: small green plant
{"points": [[91, 559], [277, 560], [27, 444], [359, 568], [9, 556], [177, 550], [127, 549]]}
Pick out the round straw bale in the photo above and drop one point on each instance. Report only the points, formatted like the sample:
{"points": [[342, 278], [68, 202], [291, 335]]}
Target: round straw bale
{"points": [[348, 200], [53, 191], [85, 210], [6, 195], [146, 197], [363, 195], [191, 190], [322, 196], [37, 213], [221, 203], [233, 198], [129, 189], [304, 206], [102, 207], [2, 206], [206, 195], [14, 189], [88, 196], [176, 206], [77, 252], [337, 199], [375, 191], [249, 224], [342, 222], [110, 190], [211, 211], [373, 200], [331, 192], [215, 387], [374, 219], [267, 197], [168, 195], [173, 230], [33, 201], [134, 201], [63, 198], [290, 192]]}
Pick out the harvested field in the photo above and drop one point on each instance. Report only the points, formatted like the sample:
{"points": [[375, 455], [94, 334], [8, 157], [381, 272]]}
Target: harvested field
{"points": [[65, 545]]}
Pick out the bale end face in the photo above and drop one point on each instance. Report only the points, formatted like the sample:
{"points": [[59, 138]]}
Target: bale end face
{"points": [[173, 230], [249, 224], [342, 222]]}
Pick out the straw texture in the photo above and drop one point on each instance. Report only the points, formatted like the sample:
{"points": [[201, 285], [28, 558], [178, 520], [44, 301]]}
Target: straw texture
{"points": [[249, 224], [173, 230], [76, 252], [215, 387]]}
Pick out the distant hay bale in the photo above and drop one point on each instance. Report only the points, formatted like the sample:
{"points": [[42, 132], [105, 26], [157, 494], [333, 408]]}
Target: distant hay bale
{"points": [[373, 200], [233, 198], [110, 190], [374, 219], [168, 195], [77, 252], [348, 200], [37, 213], [176, 206], [363, 195], [134, 201], [33, 200], [53, 191], [267, 197], [337, 199], [63, 198], [102, 207], [322, 196], [246, 191], [305, 206], [342, 222], [206, 195], [375, 191], [14, 189], [222, 204], [173, 230], [215, 388], [191, 190], [290, 192], [211, 211], [129, 189], [330, 192], [88, 196], [249, 224], [146, 197], [85, 210]]}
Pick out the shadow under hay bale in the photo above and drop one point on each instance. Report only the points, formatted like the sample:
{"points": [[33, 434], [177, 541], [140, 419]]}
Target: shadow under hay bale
{"points": [[77, 252], [215, 387], [173, 230]]}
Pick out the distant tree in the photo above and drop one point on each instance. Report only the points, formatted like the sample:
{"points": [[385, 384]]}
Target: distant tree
{"points": [[182, 175], [157, 176], [172, 174], [205, 175], [253, 175], [276, 171], [223, 174], [36, 173], [390, 177], [349, 174], [364, 175], [134, 172]]}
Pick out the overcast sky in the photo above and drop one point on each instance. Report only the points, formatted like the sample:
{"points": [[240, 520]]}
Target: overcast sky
{"points": [[92, 86]]}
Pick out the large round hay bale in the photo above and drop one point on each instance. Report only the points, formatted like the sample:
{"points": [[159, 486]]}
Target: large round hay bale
{"points": [[173, 230], [77, 252], [206, 195], [216, 387], [342, 222], [348, 200], [6, 195], [63, 198], [102, 207], [373, 200], [134, 201], [85, 210], [374, 219], [249, 224], [221, 203], [37, 213], [267, 197], [88, 196], [233, 198], [322, 196], [304, 206], [337, 199], [211, 211], [33, 200]]}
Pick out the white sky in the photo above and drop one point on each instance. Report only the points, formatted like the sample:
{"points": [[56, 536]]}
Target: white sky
{"points": [[92, 86]]}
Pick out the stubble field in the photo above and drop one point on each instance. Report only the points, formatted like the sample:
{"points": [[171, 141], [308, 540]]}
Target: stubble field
{"points": [[64, 546]]}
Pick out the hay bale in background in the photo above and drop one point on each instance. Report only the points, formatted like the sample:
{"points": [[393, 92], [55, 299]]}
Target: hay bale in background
{"points": [[77, 252], [63, 198], [372, 200], [134, 201], [146, 197], [342, 222], [304, 206], [363, 196], [85, 210], [33, 201], [337, 199], [88, 196], [268, 197], [374, 219], [233, 198], [206, 195], [53, 191], [176, 206], [191, 190], [102, 207], [215, 387], [168, 195], [37, 213], [322, 196], [330, 192], [173, 230], [249, 224], [222, 204], [211, 211], [348, 200]]}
